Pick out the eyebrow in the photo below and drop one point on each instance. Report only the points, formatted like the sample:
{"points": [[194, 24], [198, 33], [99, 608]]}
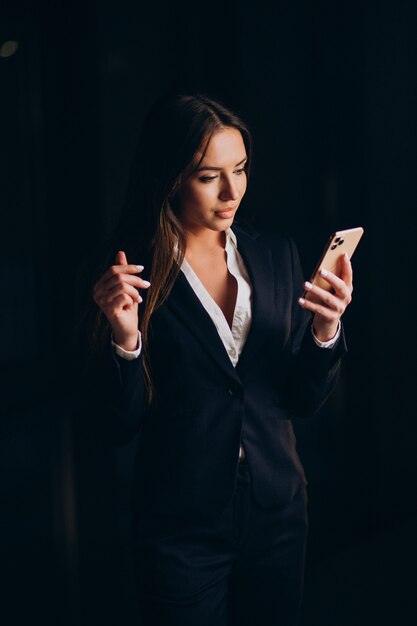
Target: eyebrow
{"points": [[217, 169]]}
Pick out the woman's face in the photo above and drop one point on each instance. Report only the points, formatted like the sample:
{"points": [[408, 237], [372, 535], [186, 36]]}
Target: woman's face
{"points": [[210, 197]]}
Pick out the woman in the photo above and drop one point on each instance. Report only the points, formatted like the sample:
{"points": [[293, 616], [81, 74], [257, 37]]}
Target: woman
{"points": [[226, 353]]}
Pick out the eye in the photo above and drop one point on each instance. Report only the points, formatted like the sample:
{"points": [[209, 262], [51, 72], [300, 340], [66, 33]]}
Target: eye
{"points": [[207, 179], [241, 171]]}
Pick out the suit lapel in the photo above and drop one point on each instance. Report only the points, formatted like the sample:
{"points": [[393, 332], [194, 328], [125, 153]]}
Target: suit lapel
{"points": [[258, 263], [186, 305]]}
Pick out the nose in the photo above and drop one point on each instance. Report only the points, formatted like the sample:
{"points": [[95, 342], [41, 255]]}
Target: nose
{"points": [[229, 189]]}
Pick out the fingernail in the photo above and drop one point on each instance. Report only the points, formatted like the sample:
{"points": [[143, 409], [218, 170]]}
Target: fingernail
{"points": [[307, 285], [146, 283], [139, 267], [140, 299], [301, 301], [323, 272]]}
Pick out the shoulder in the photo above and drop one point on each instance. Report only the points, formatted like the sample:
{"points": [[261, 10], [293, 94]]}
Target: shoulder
{"points": [[277, 245], [278, 241]]}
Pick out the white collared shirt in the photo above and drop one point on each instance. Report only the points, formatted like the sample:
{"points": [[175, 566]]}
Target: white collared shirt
{"points": [[233, 338]]}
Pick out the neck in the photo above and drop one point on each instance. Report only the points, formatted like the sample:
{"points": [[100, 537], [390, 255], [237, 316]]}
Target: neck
{"points": [[205, 242]]}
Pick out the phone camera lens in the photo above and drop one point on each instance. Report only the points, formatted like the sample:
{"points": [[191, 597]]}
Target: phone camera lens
{"points": [[340, 242], [333, 247], [337, 239]]}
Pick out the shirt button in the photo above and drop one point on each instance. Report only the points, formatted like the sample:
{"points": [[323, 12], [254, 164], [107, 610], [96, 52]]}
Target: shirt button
{"points": [[232, 352]]}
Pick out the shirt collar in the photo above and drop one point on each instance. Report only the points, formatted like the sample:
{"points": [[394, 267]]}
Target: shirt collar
{"points": [[231, 237]]}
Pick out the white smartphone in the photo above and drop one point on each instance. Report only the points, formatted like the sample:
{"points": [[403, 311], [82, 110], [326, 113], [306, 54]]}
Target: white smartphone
{"points": [[339, 242]]}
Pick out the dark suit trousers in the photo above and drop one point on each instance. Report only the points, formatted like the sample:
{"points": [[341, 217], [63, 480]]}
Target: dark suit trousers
{"points": [[242, 568]]}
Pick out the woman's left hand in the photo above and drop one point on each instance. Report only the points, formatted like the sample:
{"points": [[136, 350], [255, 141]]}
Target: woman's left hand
{"points": [[328, 307]]}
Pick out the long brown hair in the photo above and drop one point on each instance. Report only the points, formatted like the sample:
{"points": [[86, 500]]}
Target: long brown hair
{"points": [[175, 130]]}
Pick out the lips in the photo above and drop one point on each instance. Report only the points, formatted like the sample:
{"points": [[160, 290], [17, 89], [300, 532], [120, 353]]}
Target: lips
{"points": [[226, 213]]}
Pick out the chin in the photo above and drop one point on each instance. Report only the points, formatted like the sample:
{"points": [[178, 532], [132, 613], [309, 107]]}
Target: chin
{"points": [[220, 228]]}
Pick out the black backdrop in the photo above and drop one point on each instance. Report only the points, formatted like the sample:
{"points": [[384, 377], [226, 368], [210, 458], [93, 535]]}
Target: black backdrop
{"points": [[329, 91]]}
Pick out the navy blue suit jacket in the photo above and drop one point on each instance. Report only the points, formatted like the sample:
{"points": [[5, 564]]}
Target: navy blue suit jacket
{"points": [[188, 443]]}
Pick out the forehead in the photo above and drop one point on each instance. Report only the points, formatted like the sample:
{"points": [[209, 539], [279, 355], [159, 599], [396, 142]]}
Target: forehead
{"points": [[225, 148]]}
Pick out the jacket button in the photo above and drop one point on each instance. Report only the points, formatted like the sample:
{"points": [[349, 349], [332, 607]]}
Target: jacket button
{"points": [[233, 389]]}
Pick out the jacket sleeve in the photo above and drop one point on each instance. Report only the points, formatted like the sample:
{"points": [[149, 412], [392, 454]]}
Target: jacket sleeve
{"points": [[115, 395], [313, 371]]}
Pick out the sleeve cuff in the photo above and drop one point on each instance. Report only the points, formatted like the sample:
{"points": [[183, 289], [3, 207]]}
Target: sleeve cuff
{"points": [[331, 342], [129, 355]]}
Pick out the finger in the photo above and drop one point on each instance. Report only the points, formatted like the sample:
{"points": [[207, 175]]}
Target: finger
{"points": [[340, 287], [347, 271], [121, 279], [120, 304], [115, 270], [106, 292], [103, 296], [325, 297], [121, 258], [118, 290], [108, 297], [328, 314], [113, 309]]}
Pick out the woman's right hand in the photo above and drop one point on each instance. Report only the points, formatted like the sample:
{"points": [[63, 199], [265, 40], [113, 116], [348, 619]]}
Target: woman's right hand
{"points": [[116, 294]]}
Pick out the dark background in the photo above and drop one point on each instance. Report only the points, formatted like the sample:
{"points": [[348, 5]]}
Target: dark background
{"points": [[329, 91]]}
